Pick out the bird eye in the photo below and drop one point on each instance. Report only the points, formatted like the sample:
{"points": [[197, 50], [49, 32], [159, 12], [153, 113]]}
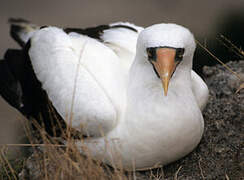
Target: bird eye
{"points": [[151, 52], [179, 54]]}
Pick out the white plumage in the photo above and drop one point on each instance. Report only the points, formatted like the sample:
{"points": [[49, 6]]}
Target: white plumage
{"points": [[122, 106]]}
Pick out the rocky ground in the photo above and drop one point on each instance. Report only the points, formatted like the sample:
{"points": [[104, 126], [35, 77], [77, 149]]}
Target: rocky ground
{"points": [[220, 152]]}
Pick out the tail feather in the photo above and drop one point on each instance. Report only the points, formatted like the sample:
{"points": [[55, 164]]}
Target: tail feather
{"points": [[22, 30]]}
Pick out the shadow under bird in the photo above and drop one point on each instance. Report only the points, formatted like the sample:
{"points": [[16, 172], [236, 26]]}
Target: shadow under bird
{"points": [[135, 94]]}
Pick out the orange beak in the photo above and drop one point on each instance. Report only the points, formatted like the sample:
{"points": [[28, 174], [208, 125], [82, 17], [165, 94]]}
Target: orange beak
{"points": [[165, 65]]}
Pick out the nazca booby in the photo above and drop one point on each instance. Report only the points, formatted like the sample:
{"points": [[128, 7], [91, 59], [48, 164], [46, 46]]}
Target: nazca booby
{"points": [[136, 94]]}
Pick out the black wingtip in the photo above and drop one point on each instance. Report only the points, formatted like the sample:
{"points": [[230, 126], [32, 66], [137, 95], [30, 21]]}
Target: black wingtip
{"points": [[17, 20], [125, 27], [14, 30], [18, 26]]}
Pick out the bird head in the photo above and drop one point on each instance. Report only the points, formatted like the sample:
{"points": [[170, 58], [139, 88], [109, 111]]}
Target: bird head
{"points": [[166, 46]]}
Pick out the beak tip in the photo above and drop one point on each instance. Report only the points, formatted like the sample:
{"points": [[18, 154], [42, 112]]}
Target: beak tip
{"points": [[165, 82]]}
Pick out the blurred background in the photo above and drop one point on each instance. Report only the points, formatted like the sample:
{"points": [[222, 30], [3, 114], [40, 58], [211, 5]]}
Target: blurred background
{"points": [[207, 20]]}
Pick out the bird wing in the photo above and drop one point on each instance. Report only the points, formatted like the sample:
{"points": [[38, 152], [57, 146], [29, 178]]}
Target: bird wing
{"points": [[200, 90], [81, 76], [121, 37], [101, 78]]}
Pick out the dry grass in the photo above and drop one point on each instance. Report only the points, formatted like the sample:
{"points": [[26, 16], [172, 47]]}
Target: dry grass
{"points": [[53, 160], [232, 47]]}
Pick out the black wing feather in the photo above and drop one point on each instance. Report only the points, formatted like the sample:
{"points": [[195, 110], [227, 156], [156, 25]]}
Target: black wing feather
{"points": [[10, 88], [22, 90], [93, 32], [96, 32]]}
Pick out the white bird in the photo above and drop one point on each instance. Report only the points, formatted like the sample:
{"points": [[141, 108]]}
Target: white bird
{"points": [[136, 96]]}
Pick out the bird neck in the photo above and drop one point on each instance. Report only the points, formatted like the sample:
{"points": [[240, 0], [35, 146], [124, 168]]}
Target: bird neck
{"points": [[145, 96]]}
